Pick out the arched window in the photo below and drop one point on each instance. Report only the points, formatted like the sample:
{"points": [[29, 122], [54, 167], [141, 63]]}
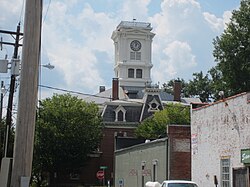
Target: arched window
{"points": [[139, 73], [120, 114], [131, 73]]}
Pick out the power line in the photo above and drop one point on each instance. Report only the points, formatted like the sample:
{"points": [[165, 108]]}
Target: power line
{"points": [[46, 12], [80, 93], [75, 92], [21, 13]]}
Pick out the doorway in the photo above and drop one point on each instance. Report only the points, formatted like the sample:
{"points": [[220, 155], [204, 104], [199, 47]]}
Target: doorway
{"points": [[241, 177]]}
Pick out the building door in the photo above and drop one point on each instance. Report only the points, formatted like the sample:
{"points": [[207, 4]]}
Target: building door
{"points": [[241, 177]]}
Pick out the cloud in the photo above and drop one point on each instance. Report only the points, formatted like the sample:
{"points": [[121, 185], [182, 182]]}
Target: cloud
{"points": [[178, 56], [175, 17], [71, 41], [11, 14], [179, 27], [215, 23], [218, 24], [135, 9]]}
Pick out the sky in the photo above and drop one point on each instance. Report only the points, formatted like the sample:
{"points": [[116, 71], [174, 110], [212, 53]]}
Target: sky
{"points": [[76, 38]]}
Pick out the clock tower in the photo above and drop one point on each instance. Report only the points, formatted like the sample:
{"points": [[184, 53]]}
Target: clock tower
{"points": [[133, 48]]}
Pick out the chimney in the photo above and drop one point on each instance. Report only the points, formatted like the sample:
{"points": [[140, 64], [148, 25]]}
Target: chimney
{"points": [[115, 89], [177, 90], [101, 89]]}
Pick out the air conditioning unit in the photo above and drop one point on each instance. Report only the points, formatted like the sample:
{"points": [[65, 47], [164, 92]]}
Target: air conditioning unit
{"points": [[5, 173]]}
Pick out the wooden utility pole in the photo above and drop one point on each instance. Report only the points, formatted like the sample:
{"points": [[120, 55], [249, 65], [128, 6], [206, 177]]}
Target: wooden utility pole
{"points": [[7, 147], [27, 101], [8, 151]]}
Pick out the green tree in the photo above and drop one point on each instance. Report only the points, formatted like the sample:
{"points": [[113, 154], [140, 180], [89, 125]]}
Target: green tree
{"points": [[232, 49], [155, 126], [217, 84], [200, 87], [11, 135], [67, 129], [2, 130]]}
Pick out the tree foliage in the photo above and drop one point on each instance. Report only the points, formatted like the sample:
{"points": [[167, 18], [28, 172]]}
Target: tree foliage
{"points": [[67, 129], [155, 126], [232, 49], [200, 87]]}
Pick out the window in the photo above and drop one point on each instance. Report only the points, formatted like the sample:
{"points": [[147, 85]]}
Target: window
{"points": [[181, 185], [225, 172], [120, 116], [139, 73], [138, 55], [132, 55], [153, 105], [131, 73], [135, 55], [143, 164]]}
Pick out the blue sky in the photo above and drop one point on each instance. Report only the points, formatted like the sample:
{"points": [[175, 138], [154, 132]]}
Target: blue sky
{"points": [[76, 38]]}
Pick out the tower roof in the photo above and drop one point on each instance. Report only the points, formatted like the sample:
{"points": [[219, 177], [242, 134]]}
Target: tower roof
{"points": [[134, 24]]}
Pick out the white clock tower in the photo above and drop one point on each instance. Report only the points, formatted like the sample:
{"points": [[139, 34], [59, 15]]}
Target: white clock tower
{"points": [[133, 48]]}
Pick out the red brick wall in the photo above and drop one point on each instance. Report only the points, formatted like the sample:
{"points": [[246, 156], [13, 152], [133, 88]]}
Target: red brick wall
{"points": [[180, 152], [107, 148], [88, 172]]}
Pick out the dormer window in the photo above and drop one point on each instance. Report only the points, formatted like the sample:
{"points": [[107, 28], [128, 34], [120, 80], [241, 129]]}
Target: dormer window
{"points": [[120, 114], [153, 105]]}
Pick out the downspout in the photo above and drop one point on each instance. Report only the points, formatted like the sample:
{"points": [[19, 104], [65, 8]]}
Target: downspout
{"points": [[167, 155]]}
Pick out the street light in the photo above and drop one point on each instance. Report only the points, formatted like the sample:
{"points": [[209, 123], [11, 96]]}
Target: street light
{"points": [[49, 66]]}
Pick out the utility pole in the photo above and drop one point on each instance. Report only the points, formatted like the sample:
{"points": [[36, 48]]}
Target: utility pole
{"points": [[1, 111], [7, 149], [1, 102], [27, 100]]}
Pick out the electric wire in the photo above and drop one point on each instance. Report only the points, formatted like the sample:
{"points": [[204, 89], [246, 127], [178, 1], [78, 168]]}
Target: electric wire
{"points": [[47, 10], [92, 95], [21, 13], [74, 92], [85, 94]]}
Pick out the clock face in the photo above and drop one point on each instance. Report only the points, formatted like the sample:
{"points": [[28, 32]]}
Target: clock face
{"points": [[135, 45]]}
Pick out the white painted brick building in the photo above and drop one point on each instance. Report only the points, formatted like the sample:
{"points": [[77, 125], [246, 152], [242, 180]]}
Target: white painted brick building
{"points": [[220, 141]]}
